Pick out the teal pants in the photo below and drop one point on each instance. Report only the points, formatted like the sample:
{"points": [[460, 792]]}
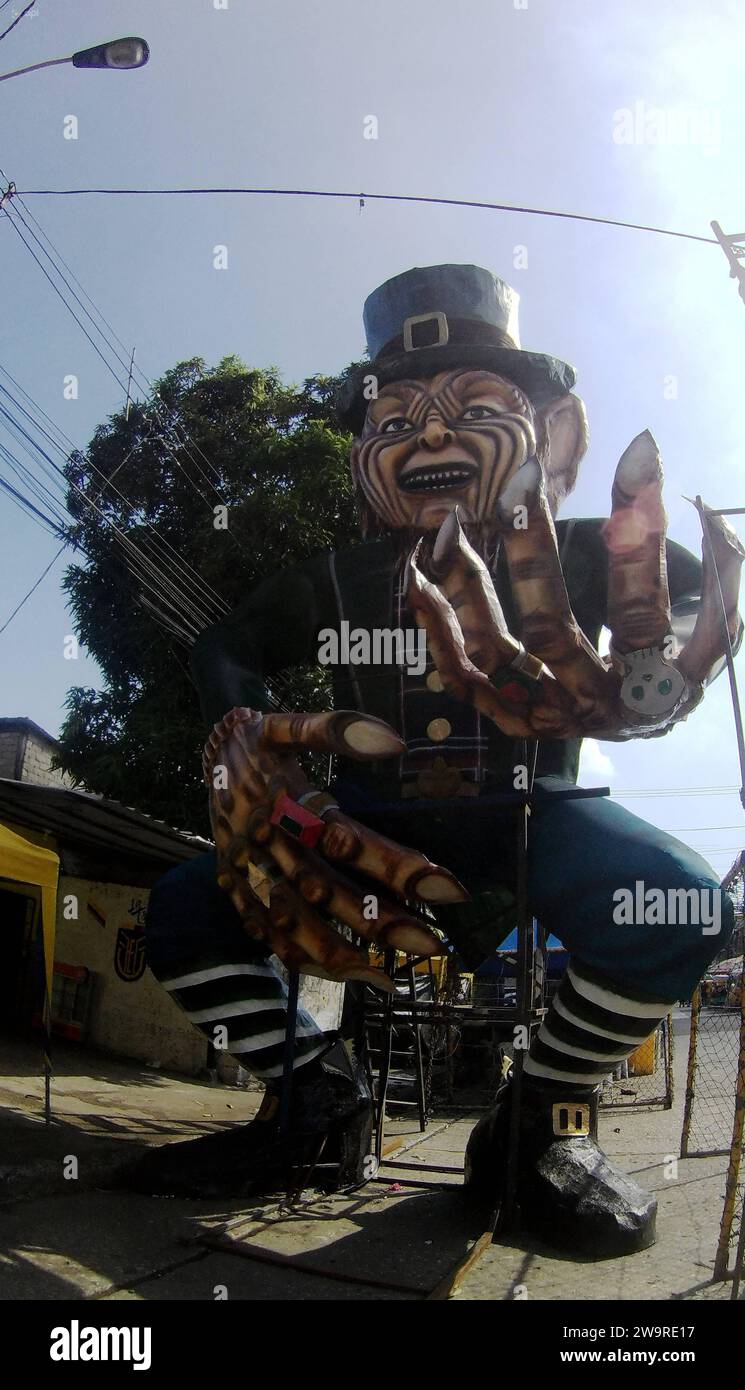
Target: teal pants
{"points": [[627, 899]]}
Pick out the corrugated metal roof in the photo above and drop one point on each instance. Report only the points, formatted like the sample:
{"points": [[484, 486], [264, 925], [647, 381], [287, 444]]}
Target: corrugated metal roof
{"points": [[85, 821]]}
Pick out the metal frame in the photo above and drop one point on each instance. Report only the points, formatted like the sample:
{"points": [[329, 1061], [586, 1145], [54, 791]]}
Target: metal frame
{"points": [[529, 1010]]}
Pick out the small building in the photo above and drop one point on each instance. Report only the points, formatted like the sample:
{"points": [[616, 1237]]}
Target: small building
{"points": [[110, 857], [26, 753]]}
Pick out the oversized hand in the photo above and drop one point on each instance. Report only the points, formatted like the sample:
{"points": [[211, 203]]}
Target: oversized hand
{"points": [[552, 683], [279, 841]]}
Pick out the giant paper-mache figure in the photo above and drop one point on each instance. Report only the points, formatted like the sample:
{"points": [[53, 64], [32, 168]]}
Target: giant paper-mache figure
{"points": [[465, 447]]}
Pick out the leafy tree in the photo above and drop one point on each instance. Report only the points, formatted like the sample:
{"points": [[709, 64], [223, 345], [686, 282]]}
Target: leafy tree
{"points": [[275, 456]]}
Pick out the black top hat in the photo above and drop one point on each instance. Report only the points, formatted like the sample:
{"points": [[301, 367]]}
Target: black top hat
{"points": [[437, 317]]}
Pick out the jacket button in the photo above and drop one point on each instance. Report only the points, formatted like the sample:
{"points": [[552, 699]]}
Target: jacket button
{"points": [[439, 729], [434, 682]]}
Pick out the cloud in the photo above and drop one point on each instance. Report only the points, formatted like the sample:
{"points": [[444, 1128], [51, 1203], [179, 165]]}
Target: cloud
{"points": [[594, 762]]}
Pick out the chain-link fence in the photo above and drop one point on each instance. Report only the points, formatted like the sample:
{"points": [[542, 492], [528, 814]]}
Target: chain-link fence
{"points": [[646, 1079], [712, 1078]]}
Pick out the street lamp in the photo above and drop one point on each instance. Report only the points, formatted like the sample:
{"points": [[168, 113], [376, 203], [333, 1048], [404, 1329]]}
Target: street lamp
{"points": [[118, 53]]}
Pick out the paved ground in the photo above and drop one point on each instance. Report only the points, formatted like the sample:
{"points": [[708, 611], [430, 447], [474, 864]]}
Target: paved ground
{"points": [[399, 1238]]}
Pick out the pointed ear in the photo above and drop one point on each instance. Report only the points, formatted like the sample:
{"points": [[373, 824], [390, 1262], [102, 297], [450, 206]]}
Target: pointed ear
{"points": [[563, 437]]}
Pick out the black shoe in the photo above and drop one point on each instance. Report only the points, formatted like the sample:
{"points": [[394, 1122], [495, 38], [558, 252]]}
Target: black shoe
{"points": [[331, 1119], [569, 1193]]}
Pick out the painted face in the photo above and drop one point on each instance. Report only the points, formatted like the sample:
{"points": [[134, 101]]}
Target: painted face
{"points": [[452, 441]]}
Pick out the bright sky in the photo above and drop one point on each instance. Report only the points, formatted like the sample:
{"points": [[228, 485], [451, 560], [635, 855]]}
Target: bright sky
{"points": [[490, 100]]}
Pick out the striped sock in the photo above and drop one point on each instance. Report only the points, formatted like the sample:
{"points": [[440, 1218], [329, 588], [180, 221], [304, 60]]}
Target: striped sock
{"points": [[249, 999], [591, 1026]]}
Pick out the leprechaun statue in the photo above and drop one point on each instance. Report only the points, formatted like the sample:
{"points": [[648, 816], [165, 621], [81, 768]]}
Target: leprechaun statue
{"points": [[465, 447]]}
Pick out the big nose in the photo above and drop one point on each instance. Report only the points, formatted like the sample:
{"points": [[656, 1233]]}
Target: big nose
{"points": [[436, 434]]}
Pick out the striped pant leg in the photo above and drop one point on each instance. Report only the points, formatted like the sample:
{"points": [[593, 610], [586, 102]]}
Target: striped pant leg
{"points": [[591, 1026], [225, 982]]}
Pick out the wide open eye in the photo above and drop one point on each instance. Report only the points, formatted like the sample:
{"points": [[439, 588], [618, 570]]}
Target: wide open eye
{"points": [[479, 412], [396, 425]]}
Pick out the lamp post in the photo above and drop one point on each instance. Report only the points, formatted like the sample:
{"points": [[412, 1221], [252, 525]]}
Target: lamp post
{"points": [[118, 53]]}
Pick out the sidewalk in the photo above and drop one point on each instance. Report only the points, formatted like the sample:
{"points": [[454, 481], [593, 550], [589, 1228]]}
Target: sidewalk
{"points": [[103, 1110], [394, 1240]]}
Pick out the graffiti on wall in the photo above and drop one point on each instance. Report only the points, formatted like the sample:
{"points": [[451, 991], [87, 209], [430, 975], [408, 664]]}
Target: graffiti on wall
{"points": [[129, 948]]}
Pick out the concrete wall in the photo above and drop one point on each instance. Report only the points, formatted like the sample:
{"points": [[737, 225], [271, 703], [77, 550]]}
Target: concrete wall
{"points": [[9, 741], [36, 762], [131, 1017], [137, 1017]]}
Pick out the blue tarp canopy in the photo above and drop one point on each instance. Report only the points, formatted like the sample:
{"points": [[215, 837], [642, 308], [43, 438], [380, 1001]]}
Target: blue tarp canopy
{"points": [[510, 943], [501, 964]]}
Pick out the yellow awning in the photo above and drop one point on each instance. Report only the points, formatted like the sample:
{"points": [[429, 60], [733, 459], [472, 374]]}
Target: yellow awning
{"points": [[26, 863]]}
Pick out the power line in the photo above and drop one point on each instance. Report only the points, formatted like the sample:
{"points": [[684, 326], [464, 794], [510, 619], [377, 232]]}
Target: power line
{"points": [[119, 359], [699, 829], [134, 369], [39, 490], [58, 292], [18, 19], [33, 589], [107, 481], [367, 197], [136, 554], [187, 576], [25, 505], [67, 446], [174, 561]]}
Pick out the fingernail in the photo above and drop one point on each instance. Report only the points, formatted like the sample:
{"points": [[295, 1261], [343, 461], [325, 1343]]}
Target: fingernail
{"points": [[407, 936], [436, 886], [448, 538], [522, 490], [371, 738], [639, 465]]}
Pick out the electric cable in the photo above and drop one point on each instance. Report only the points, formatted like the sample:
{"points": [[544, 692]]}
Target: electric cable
{"points": [[200, 587], [132, 549], [32, 590], [366, 197], [128, 366], [18, 19], [25, 505]]}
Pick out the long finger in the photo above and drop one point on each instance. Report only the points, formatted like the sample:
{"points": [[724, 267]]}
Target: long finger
{"points": [[323, 886], [638, 596], [706, 645], [520, 706], [298, 930], [549, 629], [406, 872], [345, 732], [465, 581]]}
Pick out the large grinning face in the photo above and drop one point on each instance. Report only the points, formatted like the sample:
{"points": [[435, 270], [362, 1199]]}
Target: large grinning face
{"points": [[428, 447]]}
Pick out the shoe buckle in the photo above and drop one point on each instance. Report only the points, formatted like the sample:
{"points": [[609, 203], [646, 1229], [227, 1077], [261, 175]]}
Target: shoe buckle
{"points": [[570, 1117]]}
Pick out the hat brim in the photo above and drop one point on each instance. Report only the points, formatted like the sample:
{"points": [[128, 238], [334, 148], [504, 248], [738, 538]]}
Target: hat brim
{"points": [[542, 378]]}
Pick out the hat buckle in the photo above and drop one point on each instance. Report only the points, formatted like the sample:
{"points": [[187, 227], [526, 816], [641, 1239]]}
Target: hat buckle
{"points": [[435, 316]]}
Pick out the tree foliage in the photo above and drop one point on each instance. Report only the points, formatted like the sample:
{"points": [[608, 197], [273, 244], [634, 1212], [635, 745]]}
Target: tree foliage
{"points": [[275, 456]]}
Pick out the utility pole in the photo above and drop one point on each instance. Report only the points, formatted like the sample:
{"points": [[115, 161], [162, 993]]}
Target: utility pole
{"points": [[734, 249], [129, 383]]}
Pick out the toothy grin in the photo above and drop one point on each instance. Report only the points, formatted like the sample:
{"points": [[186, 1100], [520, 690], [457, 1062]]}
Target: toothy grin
{"points": [[440, 478]]}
